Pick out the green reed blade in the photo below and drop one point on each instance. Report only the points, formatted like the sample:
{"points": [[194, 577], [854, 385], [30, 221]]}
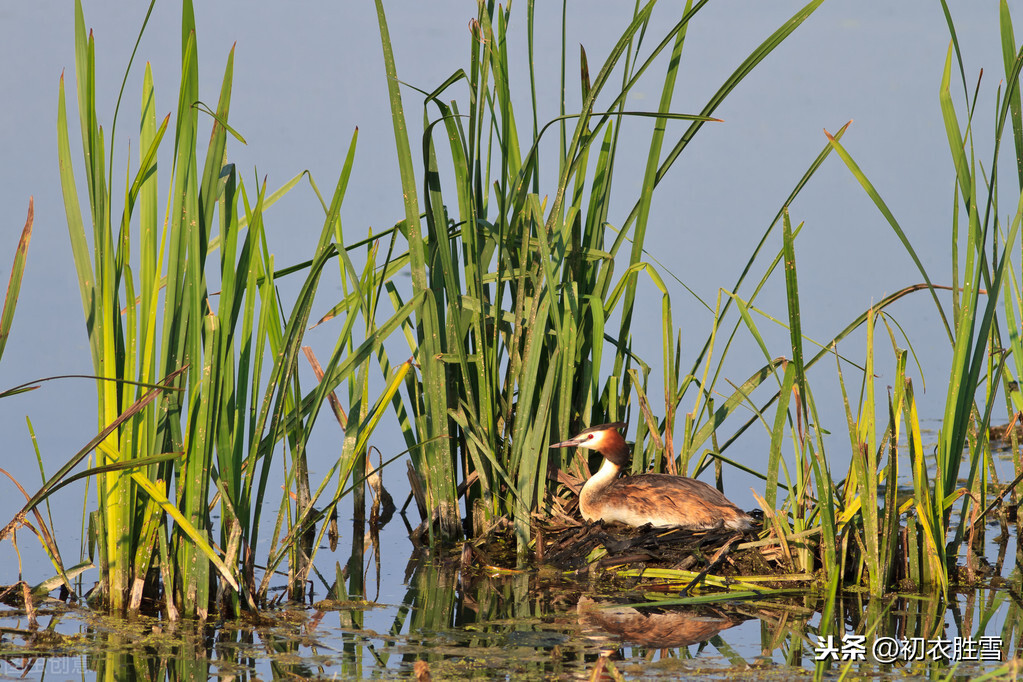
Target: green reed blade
{"points": [[955, 44], [792, 296], [863, 475], [212, 181], [731, 403], [178, 314], [1008, 58], [955, 136], [439, 469], [642, 209], [14, 281], [868, 187], [76, 227], [502, 94], [890, 542], [149, 237], [532, 435], [92, 145], [202, 430], [826, 509], [928, 507], [777, 433]]}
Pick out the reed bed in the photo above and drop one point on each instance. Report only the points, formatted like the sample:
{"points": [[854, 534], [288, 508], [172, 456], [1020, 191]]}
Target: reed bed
{"points": [[523, 306], [925, 535], [224, 362]]}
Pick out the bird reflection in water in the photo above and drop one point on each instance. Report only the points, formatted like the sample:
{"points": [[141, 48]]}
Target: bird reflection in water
{"points": [[654, 627]]}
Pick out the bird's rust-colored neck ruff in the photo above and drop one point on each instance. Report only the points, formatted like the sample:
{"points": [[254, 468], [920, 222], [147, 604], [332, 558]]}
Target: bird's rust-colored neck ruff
{"points": [[614, 449]]}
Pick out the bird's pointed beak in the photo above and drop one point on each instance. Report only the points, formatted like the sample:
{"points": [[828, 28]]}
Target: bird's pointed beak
{"points": [[571, 443]]}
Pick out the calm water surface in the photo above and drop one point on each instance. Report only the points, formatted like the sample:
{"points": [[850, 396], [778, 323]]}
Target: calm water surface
{"points": [[520, 627]]}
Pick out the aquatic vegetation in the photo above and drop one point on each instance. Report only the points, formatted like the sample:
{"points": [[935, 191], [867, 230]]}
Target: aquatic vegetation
{"points": [[519, 329], [519, 325], [963, 454], [228, 359], [523, 306]]}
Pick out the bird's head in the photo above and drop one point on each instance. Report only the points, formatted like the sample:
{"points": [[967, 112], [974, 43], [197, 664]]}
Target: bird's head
{"points": [[605, 439]]}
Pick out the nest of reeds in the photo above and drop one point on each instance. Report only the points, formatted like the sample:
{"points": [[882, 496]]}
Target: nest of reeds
{"points": [[571, 545], [564, 542]]}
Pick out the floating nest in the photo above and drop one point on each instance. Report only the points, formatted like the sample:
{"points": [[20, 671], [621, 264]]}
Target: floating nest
{"points": [[576, 546], [569, 545]]}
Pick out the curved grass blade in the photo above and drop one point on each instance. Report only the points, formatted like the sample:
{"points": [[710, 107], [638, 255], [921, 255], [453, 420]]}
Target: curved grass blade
{"points": [[14, 282], [886, 212]]}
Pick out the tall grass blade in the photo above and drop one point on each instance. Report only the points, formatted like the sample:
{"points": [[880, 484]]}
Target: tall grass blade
{"points": [[14, 281]]}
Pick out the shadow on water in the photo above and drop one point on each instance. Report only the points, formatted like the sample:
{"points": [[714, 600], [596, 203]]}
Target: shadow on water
{"points": [[527, 625]]}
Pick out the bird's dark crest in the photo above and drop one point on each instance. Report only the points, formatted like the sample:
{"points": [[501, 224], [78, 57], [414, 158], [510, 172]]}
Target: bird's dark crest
{"points": [[604, 427]]}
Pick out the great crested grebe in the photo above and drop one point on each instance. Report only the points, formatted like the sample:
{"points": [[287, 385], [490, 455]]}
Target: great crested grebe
{"points": [[658, 499]]}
